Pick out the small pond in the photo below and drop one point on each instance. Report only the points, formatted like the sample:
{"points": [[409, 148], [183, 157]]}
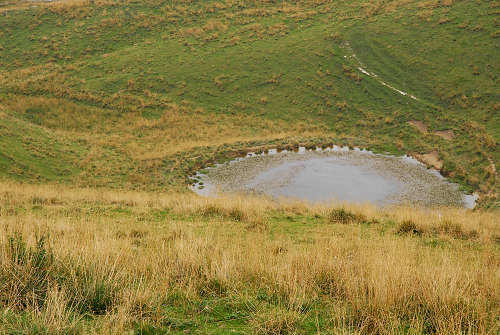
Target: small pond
{"points": [[339, 174]]}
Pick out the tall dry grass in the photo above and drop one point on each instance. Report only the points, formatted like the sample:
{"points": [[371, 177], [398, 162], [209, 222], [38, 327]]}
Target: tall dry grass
{"points": [[72, 253]]}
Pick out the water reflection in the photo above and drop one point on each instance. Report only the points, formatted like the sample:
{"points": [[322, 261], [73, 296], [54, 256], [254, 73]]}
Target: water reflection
{"points": [[333, 173]]}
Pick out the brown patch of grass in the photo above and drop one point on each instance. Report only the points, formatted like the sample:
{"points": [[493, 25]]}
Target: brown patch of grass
{"points": [[445, 134], [352, 74], [419, 125], [180, 128], [215, 25], [444, 20], [341, 105], [425, 15]]}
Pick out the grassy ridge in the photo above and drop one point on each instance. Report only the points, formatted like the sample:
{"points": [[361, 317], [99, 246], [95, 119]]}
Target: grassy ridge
{"points": [[93, 261], [155, 81]]}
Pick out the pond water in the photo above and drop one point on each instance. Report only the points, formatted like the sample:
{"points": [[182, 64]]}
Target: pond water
{"points": [[338, 174]]}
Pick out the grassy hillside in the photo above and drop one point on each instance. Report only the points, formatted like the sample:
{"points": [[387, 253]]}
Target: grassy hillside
{"points": [[86, 261], [119, 102], [150, 91], [31, 152]]}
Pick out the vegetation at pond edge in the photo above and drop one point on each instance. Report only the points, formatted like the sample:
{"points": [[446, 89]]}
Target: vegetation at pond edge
{"points": [[138, 94]]}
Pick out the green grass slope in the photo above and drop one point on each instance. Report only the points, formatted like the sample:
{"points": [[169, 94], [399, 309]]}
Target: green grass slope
{"points": [[30, 152], [157, 89]]}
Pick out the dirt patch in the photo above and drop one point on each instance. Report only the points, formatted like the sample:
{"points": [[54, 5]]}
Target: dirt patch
{"points": [[25, 4], [419, 125], [492, 168], [446, 134], [431, 159]]}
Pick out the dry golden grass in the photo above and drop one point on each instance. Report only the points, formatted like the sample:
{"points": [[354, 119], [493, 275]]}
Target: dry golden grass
{"points": [[180, 128], [376, 279]]}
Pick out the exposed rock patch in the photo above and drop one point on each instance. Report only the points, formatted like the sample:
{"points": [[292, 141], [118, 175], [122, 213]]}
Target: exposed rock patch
{"points": [[446, 134], [419, 125], [431, 159]]}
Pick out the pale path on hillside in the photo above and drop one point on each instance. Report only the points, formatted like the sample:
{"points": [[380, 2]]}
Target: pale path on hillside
{"points": [[362, 69]]}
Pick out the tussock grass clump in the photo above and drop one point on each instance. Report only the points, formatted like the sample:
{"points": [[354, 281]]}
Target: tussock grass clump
{"points": [[344, 216], [90, 292], [31, 276], [234, 214], [278, 321], [26, 272], [211, 288], [444, 228], [408, 227], [455, 230]]}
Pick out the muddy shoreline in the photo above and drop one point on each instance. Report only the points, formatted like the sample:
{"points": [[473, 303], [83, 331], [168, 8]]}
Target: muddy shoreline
{"points": [[321, 173]]}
